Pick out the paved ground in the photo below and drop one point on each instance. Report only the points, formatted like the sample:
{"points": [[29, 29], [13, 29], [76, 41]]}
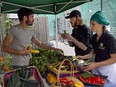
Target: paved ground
{"points": [[69, 51]]}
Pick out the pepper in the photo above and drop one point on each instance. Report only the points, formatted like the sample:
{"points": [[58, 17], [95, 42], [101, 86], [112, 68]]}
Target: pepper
{"points": [[70, 82], [55, 65], [93, 79], [64, 80]]}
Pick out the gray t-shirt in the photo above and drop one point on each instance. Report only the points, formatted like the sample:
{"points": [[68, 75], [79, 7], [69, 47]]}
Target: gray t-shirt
{"points": [[21, 39]]}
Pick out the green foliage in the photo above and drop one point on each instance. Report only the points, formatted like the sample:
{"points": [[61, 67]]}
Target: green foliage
{"points": [[6, 63], [44, 58], [7, 23], [86, 74]]}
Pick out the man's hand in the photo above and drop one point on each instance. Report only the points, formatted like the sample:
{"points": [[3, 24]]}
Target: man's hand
{"points": [[63, 36], [26, 51], [67, 36]]}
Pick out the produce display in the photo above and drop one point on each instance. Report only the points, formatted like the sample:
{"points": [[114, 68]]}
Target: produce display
{"points": [[44, 58], [50, 58], [89, 78], [55, 66], [71, 82], [5, 63], [65, 68]]}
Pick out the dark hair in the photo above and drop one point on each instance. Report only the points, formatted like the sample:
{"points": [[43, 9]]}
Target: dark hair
{"points": [[24, 12], [104, 28]]}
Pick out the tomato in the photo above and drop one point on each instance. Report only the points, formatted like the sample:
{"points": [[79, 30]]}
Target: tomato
{"points": [[89, 80], [65, 81], [70, 82], [93, 80]]}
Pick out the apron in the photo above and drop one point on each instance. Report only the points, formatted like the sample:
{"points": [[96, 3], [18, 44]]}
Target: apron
{"points": [[108, 70]]}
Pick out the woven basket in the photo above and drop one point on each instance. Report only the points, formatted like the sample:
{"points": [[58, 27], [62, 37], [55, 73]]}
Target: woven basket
{"points": [[63, 71], [59, 71]]}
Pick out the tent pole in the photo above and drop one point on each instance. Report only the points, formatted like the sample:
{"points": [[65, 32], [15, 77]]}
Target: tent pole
{"points": [[56, 33], [0, 6], [101, 5], [1, 31]]}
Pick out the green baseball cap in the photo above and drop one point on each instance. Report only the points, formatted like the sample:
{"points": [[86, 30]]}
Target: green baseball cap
{"points": [[100, 18]]}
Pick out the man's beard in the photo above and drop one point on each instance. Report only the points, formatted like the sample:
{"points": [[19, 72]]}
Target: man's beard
{"points": [[74, 25], [29, 23]]}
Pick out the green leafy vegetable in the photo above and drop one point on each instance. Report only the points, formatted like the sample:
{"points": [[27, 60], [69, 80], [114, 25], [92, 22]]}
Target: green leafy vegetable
{"points": [[44, 58], [86, 74]]}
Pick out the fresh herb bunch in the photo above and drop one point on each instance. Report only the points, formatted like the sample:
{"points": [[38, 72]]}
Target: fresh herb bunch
{"points": [[44, 58]]}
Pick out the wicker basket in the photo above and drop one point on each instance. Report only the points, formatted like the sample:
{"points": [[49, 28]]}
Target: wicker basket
{"points": [[59, 71], [63, 72]]}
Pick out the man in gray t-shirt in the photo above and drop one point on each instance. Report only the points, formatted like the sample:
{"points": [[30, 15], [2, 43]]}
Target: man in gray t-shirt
{"points": [[19, 37]]}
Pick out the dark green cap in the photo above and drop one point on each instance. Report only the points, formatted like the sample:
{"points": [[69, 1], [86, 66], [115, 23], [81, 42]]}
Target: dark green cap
{"points": [[100, 18]]}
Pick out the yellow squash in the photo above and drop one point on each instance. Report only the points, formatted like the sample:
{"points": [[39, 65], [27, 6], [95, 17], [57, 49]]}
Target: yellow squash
{"points": [[78, 84], [51, 78], [34, 51]]}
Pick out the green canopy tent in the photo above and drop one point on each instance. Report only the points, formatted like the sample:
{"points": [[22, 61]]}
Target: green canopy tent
{"points": [[40, 6]]}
